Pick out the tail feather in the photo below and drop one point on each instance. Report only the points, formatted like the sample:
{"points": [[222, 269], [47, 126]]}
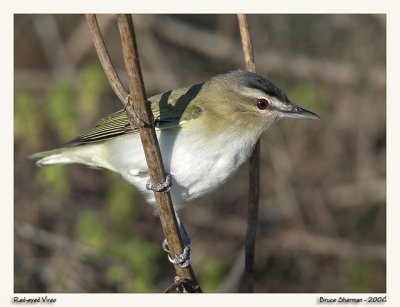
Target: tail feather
{"points": [[90, 155], [51, 157]]}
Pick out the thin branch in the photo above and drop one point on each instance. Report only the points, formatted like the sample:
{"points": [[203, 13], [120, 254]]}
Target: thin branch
{"points": [[254, 171], [140, 116], [105, 60], [246, 43]]}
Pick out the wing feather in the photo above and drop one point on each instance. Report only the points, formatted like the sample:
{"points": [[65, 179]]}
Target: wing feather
{"points": [[170, 109]]}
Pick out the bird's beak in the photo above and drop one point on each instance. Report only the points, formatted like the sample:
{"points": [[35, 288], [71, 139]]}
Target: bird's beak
{"points": [[297, 112]]}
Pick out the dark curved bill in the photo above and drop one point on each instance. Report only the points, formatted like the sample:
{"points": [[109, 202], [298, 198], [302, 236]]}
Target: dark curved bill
{"points": [[297, 112]]}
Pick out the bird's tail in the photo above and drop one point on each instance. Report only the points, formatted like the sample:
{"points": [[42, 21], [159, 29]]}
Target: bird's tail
{"points": [[51, 157]]}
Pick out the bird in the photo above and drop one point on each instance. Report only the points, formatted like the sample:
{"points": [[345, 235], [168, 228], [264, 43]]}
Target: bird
{"points": [[206, 132]]}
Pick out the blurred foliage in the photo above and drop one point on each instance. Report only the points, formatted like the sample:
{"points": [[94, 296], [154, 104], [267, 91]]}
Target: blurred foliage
{"points": [[135, 270], [213, 272], [119, 203], [55, 179], [26, 120], [360, 276], [357, 276], [306, 95], [92, 85], [90, 230], [60, 110]]}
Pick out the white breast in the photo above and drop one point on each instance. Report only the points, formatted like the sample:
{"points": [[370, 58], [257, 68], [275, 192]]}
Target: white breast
{"points": [[197, 167]]}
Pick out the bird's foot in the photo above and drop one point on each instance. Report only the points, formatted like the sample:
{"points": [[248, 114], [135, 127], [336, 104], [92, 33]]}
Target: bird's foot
{"points": [[163, 187], [183, 259]]}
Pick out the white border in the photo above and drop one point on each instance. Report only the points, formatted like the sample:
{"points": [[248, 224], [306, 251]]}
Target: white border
{"points": [[205, 6]]}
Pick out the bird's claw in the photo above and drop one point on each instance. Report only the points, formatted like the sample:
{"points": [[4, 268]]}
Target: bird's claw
{"points": [[163, 187], [183, 259]]}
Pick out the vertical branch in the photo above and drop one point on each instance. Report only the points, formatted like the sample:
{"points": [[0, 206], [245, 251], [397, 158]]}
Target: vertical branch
{"points": [[246, 43], [254, 171], [105, 60], [140, 116]]}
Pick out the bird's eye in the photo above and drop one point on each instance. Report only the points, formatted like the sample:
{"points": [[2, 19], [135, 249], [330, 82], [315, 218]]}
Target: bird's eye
{"points": [[262, 103]]}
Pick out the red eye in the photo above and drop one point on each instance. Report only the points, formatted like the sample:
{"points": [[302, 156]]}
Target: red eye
{"points": [[262, 103]]}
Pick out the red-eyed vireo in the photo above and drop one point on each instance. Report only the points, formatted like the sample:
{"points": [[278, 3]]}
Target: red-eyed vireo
{"points": [[206, 132]]}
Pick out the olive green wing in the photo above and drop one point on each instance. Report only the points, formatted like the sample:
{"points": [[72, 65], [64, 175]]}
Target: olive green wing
{"points": [[170, 109], [117, 124], [110, 126]]}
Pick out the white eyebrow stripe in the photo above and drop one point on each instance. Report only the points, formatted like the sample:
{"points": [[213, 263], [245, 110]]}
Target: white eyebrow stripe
{"points": [[257, 94], [252, 92]]}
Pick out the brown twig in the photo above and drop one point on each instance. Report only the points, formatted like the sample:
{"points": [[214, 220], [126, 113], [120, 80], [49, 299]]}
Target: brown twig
{"points": [[246, 43], [105, 60], [139, 114], [254, 172], [182, 285]]}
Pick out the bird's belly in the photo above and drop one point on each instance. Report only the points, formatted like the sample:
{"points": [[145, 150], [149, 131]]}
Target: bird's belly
{"points": [[201, 174], [197, 169], [201, 168]]}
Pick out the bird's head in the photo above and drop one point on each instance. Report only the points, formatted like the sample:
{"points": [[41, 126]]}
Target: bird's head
{"points": [[250, 101]]}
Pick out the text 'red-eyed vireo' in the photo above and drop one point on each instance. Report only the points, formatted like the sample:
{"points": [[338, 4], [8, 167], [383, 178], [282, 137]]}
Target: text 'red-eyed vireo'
{"points": [[206, 132]]}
